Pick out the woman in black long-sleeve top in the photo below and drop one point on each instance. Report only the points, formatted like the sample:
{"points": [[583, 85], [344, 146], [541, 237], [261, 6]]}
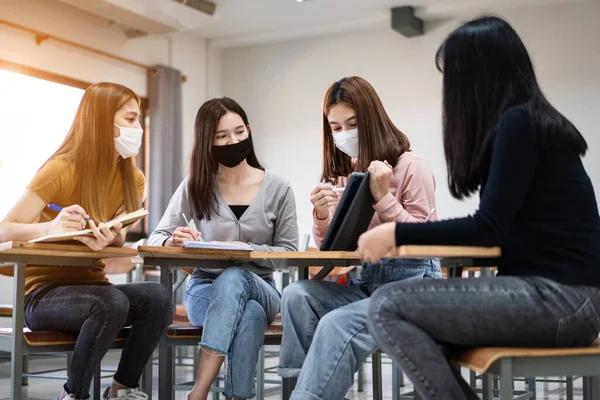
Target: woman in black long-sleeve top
{"points": [[503, 138]]}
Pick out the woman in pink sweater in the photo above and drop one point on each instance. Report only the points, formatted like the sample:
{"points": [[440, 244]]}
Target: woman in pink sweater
{"points": [[324, 323]]}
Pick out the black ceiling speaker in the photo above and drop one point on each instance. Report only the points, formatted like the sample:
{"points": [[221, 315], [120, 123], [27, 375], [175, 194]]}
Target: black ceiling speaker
{"points": [[405, 23], [205, 6]]}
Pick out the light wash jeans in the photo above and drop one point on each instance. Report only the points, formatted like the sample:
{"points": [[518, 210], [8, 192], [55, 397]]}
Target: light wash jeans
{"points": [[423, 325], [234, 308], [325, 336]]}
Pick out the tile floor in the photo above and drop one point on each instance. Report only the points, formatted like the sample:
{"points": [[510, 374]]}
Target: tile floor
{"points": [[47, 389]]}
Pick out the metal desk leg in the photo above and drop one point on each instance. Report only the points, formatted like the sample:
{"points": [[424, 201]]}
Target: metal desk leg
{"points": [[285, 279], [16, 353], [395, 383], [569, 388], [96, 382], [361, 379], [260, 375], [302, 272], [377, 381], [486, 272], [506, 379], [147, 379], [287, 387], [455, 272], [166, 364], [591, 387], [488, 393]]}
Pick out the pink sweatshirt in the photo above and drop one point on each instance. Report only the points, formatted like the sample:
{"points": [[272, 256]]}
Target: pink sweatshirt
{"points": [[410, 199]]}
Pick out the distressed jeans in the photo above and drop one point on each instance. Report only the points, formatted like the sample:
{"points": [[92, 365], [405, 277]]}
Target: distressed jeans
{"points": [[234, 308], [325, 336]]}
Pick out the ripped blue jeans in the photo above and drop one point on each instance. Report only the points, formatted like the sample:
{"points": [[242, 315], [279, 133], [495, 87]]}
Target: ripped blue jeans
{"points": [[234, 308], [325, 336]]}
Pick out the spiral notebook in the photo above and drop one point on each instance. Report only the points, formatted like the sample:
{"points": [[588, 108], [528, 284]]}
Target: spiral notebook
{"points": [[125, 220]]}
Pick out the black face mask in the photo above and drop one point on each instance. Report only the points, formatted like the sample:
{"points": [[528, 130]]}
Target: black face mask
{"points": [[232, 155]]}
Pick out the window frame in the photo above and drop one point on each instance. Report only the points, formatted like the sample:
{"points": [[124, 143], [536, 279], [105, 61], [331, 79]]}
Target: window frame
{"points": [[140, 230]]}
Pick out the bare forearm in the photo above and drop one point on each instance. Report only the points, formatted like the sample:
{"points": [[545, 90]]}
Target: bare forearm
{"points": [[16, 231], [119, 239]]}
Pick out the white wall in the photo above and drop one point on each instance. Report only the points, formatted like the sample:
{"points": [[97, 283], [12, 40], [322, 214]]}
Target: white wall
{"points": [[282, 87], [183, 51]]}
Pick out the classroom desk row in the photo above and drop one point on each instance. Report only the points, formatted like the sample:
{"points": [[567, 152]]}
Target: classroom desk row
{"points": [[169, 258]]}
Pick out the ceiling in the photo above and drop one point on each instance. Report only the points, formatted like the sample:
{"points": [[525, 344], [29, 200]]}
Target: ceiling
{"points": [[243, 22]]}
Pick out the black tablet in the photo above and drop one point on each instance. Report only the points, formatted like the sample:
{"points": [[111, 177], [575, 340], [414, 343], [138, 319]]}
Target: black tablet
{"points": [[352, 217]]}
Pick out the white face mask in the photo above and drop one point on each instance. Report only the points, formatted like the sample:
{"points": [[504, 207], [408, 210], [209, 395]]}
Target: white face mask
{"points": [[129, 142], [347, 141]]}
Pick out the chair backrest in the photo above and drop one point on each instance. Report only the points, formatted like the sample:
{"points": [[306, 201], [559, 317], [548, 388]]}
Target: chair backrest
{"points": [[7, 269], [304, 242]]}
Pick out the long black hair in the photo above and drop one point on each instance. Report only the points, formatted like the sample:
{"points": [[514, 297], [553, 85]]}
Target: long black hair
{"points": [[487, 70], [203, 169]]}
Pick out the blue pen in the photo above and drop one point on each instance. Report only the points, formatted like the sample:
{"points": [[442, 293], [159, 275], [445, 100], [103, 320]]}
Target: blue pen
{"points": [[59, 209]]}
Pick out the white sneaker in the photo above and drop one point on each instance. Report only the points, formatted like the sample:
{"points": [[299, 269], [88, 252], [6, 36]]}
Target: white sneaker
{"points": [[126, 394]]}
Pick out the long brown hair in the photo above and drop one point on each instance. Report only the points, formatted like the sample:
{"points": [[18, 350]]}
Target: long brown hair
{"points": [[378, 137], [90, 146], [202, 186]]}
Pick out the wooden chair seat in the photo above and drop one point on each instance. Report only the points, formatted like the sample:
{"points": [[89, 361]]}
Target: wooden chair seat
{"points": [[53, 338], [480, 359], [180, 314], [6, 310], [185, 330]]}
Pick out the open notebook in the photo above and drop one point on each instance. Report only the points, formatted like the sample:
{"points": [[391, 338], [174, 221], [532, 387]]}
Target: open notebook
{"points": [[125, 219], [216, 246]]}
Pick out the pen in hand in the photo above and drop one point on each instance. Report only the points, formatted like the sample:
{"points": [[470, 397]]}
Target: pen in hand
{"points": [[59, 209], [190, 224], [430, 215]]}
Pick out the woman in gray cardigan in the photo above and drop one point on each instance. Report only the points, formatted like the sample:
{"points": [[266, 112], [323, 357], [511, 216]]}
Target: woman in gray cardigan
{"points": [[232, 199]]}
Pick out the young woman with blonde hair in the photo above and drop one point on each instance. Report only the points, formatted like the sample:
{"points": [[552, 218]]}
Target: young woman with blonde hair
{"points": [[93, 177]]}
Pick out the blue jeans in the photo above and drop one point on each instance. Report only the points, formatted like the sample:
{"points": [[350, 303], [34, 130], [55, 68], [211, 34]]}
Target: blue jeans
{"points": [[234, 308], [422, 325], [325, 327]]}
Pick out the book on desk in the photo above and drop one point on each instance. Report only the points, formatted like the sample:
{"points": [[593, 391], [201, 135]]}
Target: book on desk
{"points": [[125, 220]]}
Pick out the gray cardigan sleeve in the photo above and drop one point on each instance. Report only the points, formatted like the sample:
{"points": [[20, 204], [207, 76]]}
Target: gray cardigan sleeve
{"points": [[172, 217], [285, 237]]}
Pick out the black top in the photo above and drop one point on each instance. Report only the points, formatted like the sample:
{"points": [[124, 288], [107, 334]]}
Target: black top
{"points": [[538, 205], [238, 211]]}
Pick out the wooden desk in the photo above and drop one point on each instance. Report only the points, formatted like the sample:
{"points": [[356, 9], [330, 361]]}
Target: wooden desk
{"points": [[22, 253], [447, 252], [169, 258], [454, 258]]}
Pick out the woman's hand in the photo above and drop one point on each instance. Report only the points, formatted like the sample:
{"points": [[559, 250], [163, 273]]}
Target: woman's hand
{"points": [[380, 178], [180, 235], [103, 235], [70, 219], [322, 198], [377, 243]]}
